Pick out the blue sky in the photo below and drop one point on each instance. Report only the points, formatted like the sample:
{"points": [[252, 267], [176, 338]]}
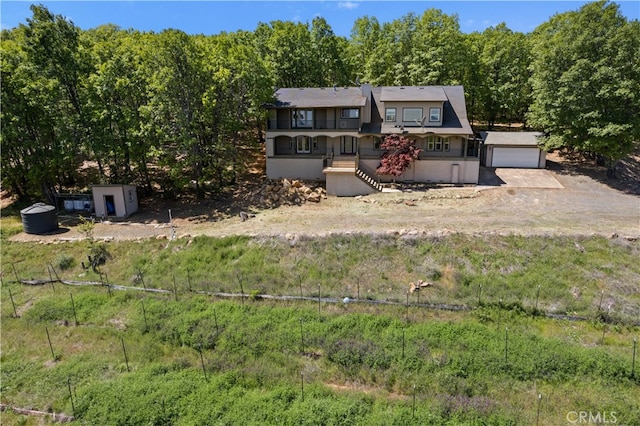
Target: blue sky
{"points": [[213, 17]]}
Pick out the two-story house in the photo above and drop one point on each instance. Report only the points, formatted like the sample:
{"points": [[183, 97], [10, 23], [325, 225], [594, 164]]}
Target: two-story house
{"points": [[335, 134]]}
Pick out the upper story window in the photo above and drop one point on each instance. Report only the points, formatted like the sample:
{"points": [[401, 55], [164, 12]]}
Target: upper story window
{"points": [[434, 114], [412, 114], [390, 114], [302, 118], [350, 113]]}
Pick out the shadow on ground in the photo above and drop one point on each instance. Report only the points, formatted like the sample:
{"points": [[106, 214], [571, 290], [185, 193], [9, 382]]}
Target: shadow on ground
{"points": [[489, 177], [627, 171]]}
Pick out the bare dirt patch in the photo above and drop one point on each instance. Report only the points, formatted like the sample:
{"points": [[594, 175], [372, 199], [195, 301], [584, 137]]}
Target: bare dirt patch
{"points": [[586, 204]]}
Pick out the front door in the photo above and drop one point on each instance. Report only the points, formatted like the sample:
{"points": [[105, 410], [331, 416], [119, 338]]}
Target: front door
{"points": [[348, 145]]}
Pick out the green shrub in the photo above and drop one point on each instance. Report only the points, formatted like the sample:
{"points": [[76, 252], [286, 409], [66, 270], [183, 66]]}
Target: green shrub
{"points": [[64, 261], [354, 354]]}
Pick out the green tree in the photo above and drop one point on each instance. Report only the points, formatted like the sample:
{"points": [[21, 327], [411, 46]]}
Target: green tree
{"points": [[286, 48], [117, 91], [586, 80], [44, 126], [474, 76], [365, 36], [389, 64], [333, 67], [504, 62], [437, 56]]}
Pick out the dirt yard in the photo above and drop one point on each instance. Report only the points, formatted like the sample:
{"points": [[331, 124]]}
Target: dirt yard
{"points": [[568, 199]]}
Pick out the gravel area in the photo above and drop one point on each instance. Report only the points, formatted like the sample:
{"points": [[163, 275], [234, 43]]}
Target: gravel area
{"points": [[564, 200]]}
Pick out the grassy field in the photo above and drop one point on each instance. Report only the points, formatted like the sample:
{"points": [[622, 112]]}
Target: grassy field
{"points": [[198, 359]]}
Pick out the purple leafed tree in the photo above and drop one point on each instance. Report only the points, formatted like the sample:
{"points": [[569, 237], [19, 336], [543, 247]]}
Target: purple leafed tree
{"points": [[399, 153]]}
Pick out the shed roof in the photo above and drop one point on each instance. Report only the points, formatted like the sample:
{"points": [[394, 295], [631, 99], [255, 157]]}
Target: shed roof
{"points": [[511, 138], [319, 97]]}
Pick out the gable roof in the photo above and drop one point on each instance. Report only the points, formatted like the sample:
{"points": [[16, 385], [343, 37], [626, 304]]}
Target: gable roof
{"points": [[322, 97], [511, 138], [454, 112]]}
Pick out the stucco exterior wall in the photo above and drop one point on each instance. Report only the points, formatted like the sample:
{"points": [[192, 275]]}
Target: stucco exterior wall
{"points": [[125, 199], [295, 168], [437, 170], [346, 185]]}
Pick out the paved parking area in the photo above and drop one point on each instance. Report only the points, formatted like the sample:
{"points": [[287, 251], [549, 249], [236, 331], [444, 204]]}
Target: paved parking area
{"points": [[518, 178]]}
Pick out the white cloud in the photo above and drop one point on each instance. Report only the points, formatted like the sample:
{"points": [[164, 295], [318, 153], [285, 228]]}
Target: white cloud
{"points": [[348, 5]]}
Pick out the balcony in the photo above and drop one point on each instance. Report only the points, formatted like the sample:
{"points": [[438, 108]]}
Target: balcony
{"points": [[340, 124]]}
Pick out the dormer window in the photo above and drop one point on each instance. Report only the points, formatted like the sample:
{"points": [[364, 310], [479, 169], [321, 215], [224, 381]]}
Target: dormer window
{"points": [[350, 113], [434, 114], [390, 115], [412, 114]]}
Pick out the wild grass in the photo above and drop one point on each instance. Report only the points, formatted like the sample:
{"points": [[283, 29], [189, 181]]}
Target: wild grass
{"points": [[568, 275], [358, 363], [257, 355]]}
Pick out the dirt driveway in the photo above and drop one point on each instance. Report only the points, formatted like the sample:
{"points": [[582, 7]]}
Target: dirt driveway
{"points": [[556, 201]]}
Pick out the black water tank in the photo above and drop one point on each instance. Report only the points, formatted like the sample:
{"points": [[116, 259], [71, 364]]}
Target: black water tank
{"points": [[40, 218]]}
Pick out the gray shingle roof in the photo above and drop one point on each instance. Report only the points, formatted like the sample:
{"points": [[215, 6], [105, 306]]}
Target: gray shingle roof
{"points": [[319, 97], [412, 93], [511, 138], [454, 112], [454, 115]]}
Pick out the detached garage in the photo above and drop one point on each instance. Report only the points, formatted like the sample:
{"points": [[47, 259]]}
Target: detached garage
{"points": [[512, 149], [114, 200]]}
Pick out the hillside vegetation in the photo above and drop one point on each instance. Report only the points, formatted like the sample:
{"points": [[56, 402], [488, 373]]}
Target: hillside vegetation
{"points": [[192, 358], [171, 112]]}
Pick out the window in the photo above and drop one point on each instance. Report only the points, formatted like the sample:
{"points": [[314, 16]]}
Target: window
{"points": [[350, 113], [434, 114], [430, 143], [302, 118], [412, 114], [438, 143], [390, 114], [377, 143], [303, 144]]}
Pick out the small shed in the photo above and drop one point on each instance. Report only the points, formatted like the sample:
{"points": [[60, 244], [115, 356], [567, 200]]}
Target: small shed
{"points": [[114, 200], [512, 149], [39, 218]]}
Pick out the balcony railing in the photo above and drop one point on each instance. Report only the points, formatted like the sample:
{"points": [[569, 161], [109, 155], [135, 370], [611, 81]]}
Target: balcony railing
{"points": [[340, 124]]}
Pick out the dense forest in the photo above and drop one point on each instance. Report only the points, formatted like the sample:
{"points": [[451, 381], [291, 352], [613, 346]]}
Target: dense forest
{"points": [[165, 110]]}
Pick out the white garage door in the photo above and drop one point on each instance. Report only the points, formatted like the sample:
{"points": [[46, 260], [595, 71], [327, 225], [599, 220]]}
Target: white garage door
{"points": [[515, 157]]}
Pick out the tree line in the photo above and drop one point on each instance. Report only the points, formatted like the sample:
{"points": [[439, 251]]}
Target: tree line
{"points": [[169, 110]]}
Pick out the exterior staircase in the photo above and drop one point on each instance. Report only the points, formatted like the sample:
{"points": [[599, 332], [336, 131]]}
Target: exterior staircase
{"points": [[366, 178], [342, 163], [352, 165]]}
